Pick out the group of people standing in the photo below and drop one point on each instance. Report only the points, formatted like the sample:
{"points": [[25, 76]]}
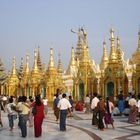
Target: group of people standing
{"points": [[102, 112], [22, 109]]}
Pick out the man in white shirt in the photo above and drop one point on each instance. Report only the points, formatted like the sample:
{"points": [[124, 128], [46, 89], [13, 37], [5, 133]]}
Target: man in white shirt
{"points": [[94, 102], [64, 105]]}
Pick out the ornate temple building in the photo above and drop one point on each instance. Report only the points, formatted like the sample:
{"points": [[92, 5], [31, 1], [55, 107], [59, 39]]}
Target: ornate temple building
{"points": [[113, 76]]}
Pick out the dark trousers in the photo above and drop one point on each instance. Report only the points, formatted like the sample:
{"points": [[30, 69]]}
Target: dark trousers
{"points": [[94, 117], [11, 121], [100, 120], [63, 115], [22, 124]]}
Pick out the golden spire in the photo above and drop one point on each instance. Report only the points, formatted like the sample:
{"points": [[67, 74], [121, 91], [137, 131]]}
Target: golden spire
{"points": [[118, 42], [72, 69], [112, 56], [118, 51], [14, 77], [27, 69], [35, 67], [84, 38], [72, 62], [51, 62], [20, 73], [14, 72], [85, 51], [79, 45], [39, 59], [104, 60], [59, 68]]}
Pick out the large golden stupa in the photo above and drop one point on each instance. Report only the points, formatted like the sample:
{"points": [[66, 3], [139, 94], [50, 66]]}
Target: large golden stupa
{"points": [[113, 76]]}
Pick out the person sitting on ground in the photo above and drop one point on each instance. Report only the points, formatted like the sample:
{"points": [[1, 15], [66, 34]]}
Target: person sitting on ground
{"points": [[79, 106], [116, 111], [127, 109]]}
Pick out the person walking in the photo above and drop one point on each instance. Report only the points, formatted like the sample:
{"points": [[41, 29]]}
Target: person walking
{"points": [[108, 115], [55, 108], [94, 102], [23, 116], [31, 118], [64, 105], [12, 114], [45, 102], [71, 102], [101, 113], [38, 116]]}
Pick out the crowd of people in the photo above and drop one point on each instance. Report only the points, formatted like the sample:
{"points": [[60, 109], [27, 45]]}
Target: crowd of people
{"points": [[35, 109], [21, 108]]}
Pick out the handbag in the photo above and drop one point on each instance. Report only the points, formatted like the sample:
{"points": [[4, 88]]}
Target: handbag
{"points": [[34, 110]]}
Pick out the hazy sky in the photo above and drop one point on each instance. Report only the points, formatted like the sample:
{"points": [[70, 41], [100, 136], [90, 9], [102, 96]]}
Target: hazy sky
{"points": [[25, 24]]}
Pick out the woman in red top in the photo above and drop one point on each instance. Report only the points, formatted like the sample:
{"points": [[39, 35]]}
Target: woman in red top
{"points": [[39, 115]]}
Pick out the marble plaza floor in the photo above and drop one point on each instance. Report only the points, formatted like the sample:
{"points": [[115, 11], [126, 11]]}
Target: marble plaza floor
{"points": [[78, 128]]}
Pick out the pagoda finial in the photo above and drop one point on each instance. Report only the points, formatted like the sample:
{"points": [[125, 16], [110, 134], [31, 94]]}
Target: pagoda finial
{"points": [[39, 59], [84, 38], [104, 60], [35, 67], [119, 52], [59, 68], [111, 33], [27, 69], [79, 43], [112, 56], [72, 63], [14, 72], [118, 42], [51, 62], [20, 72], [105, 51]]}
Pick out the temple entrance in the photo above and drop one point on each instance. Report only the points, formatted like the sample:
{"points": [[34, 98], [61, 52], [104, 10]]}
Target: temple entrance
{"points": [[81, 91], [139, 85], [110, 89]]}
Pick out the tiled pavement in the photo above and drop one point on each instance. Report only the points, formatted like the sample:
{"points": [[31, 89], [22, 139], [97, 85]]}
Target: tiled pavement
{"points": [[78, 128]]}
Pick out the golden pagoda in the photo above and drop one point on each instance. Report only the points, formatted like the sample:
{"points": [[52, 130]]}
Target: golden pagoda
{"points": [[71, 73], [36, 78], [25, 80], [53, 81], [114, 79], [13, 81], [85, 81]]}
